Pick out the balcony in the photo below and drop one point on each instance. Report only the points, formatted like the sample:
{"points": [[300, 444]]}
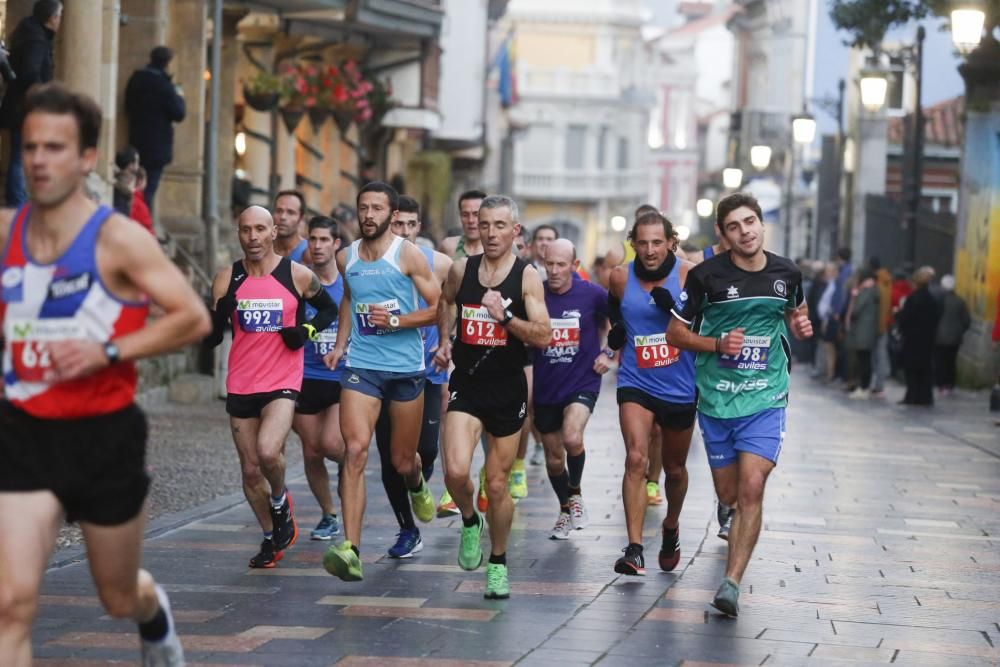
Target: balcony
{"points": [[589, 84], [580, 185]]}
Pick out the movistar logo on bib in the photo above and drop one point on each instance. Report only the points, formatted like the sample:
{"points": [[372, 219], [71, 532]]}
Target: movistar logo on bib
{"points": [[46, 330]]}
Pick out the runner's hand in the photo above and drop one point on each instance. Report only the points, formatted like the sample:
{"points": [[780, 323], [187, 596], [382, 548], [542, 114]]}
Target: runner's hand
{"points": [[616, 337], [378, 316], [602, 364], [732, 342], [493, 303], [74, 359], [332, 358], [294, 337], [663, 298], [802, 328], [226, 304], [442, 357]]}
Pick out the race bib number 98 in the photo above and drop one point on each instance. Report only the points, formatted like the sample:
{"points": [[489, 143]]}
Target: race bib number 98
{"points": [[654, 352], [362, 313], [260, 315], [31, 342], [479, 329], [753, 356]]}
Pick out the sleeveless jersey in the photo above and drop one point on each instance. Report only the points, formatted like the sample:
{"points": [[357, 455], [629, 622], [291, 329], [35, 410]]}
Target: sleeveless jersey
{"points": [[382, 283], [648, 363], [315, 369], [43, 305], [430, 335], [298, 251], [259, 361], [483, 347], [708, 252]]}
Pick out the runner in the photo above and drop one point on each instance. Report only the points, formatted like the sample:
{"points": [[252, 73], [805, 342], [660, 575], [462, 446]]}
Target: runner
{"points": [[317, 408], [469, 243], [263, 297], [655, 384], [384, 274], [77, 280], [500, 307], [745, 301], [289, 219], [568, 379], [408, 542]]}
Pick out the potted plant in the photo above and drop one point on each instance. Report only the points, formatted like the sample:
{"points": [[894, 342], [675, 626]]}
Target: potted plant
{"points": [[262, 91], [293, 97]]}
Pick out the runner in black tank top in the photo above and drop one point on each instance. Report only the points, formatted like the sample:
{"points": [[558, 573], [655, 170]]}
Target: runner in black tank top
{"points": [[498, 303]]}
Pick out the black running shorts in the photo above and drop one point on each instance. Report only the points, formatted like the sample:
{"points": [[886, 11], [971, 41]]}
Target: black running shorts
{"points": [[549, 418], [250, 406], [95, 466], [316, 396], [671, 416], [500, 403]]}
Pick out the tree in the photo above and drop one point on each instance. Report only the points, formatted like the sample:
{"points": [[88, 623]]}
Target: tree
{"points": [[867, 21]]}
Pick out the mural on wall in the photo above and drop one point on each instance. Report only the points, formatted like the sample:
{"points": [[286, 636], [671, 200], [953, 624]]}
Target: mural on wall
{"points": [[977, 260]]}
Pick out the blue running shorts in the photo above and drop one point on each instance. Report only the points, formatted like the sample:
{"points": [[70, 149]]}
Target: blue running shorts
{"points": [[761, 434]]}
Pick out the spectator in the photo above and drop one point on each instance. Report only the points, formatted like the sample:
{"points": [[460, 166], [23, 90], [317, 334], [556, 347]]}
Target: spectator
{"points": [[862, 329], [830, 326], [901, 288], [32, 59], [881, 367], [140, 211], [813, 296], [955, 321], [126, 163], [918, 320], [841, 299], [153, 104]]}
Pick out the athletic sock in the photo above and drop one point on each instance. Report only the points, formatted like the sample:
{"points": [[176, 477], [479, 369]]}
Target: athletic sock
{"points": [[155, 628], [574, 464], [278, 501], [420, 487], [268, 535], [560, 484], [471, 521], [500, 559], [357, 552]]}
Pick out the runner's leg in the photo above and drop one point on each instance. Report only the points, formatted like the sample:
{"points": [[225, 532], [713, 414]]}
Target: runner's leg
{"points": [[462, 432], [636, 425], [114, 554], [499, 459], [310, 431], [405, 419], [358, 413], [392, 481], [674, 446], [254, 485], [430, 429], [275, 423], [753, 472]]}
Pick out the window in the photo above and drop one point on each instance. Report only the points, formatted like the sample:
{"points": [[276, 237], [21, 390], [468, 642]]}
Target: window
{"points": [[623, 153], [602, 147], [535, 148], [575, 137]]}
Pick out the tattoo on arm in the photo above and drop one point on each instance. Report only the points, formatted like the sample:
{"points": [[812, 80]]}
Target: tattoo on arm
{"points": [[314, 287]]}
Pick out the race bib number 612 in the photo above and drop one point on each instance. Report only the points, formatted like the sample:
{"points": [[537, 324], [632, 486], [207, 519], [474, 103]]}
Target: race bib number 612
{"points": [[479, 329]]}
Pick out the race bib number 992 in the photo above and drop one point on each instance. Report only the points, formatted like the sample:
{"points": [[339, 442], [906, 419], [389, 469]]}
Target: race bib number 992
{"points": [[260, 315]]}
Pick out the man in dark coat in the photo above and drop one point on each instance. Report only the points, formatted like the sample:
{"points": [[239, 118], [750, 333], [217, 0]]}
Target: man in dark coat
{"points": [[917, 321], [33, 62], [153, 104]]}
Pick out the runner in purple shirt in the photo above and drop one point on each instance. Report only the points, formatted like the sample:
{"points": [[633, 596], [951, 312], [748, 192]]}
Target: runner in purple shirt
{"points": [[568, 378]]}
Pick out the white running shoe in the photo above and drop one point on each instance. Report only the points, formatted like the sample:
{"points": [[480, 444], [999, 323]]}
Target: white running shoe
{"points": [[563, 527], [168, 651], [538, 455], [578, 513]]}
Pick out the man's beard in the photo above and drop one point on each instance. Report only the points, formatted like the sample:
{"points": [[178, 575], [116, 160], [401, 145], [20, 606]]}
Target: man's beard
{"points": [[380, 230]]}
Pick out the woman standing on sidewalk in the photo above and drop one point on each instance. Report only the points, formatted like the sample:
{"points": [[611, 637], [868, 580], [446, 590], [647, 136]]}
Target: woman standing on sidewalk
{"points": [[862, 330]]}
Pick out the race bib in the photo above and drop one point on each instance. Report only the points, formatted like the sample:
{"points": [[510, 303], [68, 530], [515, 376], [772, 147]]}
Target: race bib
{"points": [[362, 313], [565, 341], [654, 352], [479, 329], [325, 341], [754, 355], [31, 342], [260, 315]]}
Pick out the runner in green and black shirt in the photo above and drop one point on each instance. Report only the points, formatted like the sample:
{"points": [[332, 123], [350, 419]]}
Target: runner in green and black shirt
{"points": [[742, 303]]}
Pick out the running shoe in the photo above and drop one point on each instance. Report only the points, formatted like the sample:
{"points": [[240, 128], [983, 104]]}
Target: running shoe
{"points": [[166, 652], [408, 542], [327, 527], [482, 502], [653, 496], [422, 502], [632, 563], [286, 531], [446, 506], [267, 557], [725, 516], [577, 512], [517, 483], [670, 550], [341, 561], [497, 586], [563, 527], [727, 598], [470, 552], [538, 455]]}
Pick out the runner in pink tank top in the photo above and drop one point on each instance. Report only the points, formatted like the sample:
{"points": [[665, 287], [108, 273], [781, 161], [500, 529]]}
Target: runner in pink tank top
{"points": [[263, 298]]}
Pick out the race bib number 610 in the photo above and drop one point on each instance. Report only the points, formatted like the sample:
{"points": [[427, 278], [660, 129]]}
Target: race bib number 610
{"points": [[654, 352]]}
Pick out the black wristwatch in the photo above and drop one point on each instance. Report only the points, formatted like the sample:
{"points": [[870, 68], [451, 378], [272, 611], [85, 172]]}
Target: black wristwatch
{"points": [[111, 352], [507, 317]]}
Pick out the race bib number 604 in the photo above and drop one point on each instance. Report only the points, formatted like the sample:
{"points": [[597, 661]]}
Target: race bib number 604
{"points": [[31, 342], [478, 328], [654, 352]]}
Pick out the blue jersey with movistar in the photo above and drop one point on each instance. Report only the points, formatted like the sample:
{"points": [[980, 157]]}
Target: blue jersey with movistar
{"points": [[382, 283], [315, 369], [299, 251], [430, 334], [648, 362]]}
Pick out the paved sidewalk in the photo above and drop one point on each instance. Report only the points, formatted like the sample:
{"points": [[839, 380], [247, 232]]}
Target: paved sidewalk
{"points": [[880, 545]]}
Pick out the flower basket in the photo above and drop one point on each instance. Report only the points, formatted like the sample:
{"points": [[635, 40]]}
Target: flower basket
{"points": [[317, 116], [291, 116], [343, 120], [260, 101], [263, 90]]}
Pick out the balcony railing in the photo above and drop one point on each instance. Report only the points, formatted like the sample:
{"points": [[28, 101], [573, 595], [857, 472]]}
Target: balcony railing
{"points": [[546, 82], [580, 185]]}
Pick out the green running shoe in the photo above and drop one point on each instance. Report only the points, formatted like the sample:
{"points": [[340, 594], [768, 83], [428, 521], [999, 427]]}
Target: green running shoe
{"points": [[470, 553], [727, 598], [497, 586], [422, 503], [341, 561]]}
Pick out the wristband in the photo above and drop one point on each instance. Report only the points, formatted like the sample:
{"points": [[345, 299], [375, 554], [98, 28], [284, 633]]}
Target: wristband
{"points": [[311, 332], [508, 316], [718, 345], [609, 353]]}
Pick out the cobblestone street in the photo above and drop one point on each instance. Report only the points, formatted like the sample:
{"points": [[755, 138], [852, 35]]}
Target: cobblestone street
{"points": [[880, 544]]}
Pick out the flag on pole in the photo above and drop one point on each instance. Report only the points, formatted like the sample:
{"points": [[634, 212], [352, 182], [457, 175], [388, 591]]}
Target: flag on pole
{"points": [[504, 62]]}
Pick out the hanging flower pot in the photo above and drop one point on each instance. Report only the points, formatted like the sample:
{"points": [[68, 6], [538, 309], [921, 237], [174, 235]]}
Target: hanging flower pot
{"points": [[343, 119], [260, 101], [318, 116], [291, 116]]}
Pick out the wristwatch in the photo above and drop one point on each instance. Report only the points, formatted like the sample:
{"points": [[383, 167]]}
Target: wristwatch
{"points": [[111, 352], [609, 353], [394, 321], [507, 317]]}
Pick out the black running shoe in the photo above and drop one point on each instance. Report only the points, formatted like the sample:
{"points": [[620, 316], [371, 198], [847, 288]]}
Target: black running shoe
{"points": [[286, 531], [632, 563], [268, 556]]}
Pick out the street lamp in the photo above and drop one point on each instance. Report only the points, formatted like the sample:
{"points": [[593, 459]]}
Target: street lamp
{"points": [[967, 27], [704, 207], [804, 128], [618, 223], [760, 157], [732, 177], [874, 86]]}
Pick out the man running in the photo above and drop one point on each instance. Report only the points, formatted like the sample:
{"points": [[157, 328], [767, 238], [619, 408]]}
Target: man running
{"points": [[263, 297], [408, 542], [289, 219], [469, 243], [568, 379], [77, 281], [384, 274], [655, 384], [317, 408], [500, 308], [746, 300]]}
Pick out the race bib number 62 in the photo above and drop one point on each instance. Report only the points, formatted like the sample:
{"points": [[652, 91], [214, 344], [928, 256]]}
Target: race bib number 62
{"points": [[654, 352], [31, 342]]}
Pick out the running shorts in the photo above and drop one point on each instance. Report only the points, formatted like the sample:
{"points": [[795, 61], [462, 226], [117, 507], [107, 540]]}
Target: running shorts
{"points": [[671, 416], [549, 418], [250, 406], [384, 385], [761, 434], [316, 396], [500, 403]]}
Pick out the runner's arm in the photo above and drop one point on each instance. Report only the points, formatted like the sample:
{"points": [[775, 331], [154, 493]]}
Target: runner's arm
{"points": [[536, 330], [679, 333], [344, 323], [448, 245], [428, 286], [326, 310], [797, 313], [616, 288], [224, 307], [6, 219], [446, 313]]}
